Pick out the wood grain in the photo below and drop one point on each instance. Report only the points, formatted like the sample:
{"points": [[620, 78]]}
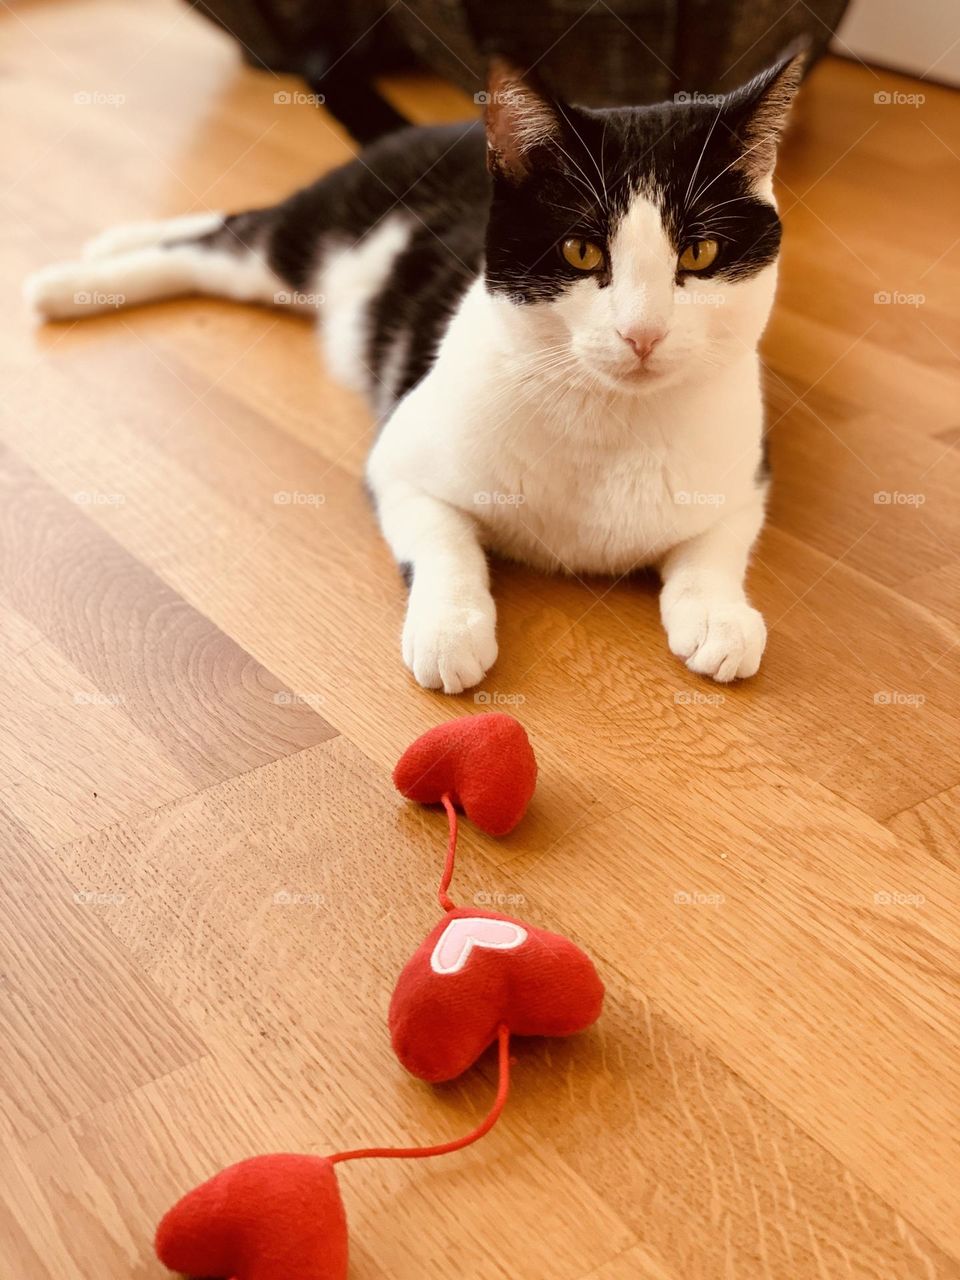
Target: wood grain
{"points": [[210, 883]]}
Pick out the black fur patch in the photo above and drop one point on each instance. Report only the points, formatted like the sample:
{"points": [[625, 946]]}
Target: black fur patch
{"points": [[582, 183]]}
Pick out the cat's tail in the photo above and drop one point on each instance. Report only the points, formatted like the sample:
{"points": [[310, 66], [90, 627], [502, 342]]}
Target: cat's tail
{"points": [[205, 253]]}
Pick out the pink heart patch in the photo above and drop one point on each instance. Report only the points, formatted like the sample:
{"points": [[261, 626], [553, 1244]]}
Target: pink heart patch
{"points": [[463, 933]]}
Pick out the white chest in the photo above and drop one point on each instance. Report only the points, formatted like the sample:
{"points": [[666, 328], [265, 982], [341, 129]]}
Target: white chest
{"points": [[578, 482], [605, 515], [607, 496]]}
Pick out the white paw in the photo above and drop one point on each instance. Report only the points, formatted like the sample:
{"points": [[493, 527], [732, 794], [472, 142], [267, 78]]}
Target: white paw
{"points": [[449, 646], [58, 291], [715, 638]]}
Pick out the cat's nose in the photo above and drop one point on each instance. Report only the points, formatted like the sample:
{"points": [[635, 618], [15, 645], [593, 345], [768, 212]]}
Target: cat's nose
{"points": [[643, 339]]}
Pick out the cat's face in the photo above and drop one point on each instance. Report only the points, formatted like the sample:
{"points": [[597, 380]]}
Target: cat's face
{"points": [[638, 246]]}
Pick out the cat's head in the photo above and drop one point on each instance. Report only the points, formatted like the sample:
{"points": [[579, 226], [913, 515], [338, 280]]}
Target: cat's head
{"points": [[639, 244]]}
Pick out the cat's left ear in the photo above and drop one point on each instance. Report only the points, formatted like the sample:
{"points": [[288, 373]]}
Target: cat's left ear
{"points": [[521, 119], [757, 113]]}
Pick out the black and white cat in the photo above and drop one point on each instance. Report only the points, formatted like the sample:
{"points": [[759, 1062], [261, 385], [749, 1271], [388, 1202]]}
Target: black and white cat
{"points": [[558, 323]]}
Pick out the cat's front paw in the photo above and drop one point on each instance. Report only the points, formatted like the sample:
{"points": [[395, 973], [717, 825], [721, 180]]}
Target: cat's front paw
{"points": [[449, 646], [719, 639]]}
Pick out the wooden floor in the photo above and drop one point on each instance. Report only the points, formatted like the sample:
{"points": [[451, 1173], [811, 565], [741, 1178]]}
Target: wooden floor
{"points": [[202, 701]]}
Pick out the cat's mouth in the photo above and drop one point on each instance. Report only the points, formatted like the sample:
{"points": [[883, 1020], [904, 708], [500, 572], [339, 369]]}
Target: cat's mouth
{"points": [[635, 376]]}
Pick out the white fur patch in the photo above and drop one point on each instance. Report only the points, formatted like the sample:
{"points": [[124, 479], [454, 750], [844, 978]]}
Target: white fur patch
{"points": [[351, 276]]}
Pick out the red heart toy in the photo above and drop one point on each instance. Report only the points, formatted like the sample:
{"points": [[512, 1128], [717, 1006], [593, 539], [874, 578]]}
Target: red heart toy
{"points": [[281, 1217], [266, 1218], [478, 977], [477, 970], [484, 763]]}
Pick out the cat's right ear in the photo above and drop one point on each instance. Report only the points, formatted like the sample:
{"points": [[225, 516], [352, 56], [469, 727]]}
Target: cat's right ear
{"points": [[521, 118]]}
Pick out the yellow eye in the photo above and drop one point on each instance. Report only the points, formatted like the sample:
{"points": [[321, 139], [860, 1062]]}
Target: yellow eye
{"points": [[699, 255], [582, 254]]}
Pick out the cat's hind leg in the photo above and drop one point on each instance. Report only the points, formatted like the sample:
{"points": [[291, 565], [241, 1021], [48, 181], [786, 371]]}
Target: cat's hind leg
{"points": [[144, 235], [154, 261]]}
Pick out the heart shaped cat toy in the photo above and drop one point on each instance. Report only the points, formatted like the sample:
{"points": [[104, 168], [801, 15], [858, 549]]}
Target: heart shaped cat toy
{"points": [[477, 978], [261, 1219], [476, 971], [484, 763]]}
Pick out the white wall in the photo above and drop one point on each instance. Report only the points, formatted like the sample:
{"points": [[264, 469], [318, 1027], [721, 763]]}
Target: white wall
{"points": [[918, 36]]}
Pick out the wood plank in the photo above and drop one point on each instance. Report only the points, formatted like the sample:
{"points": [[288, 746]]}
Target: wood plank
{"points": [[80, 1023], [933, 825], [110, 642], [814, 956]]}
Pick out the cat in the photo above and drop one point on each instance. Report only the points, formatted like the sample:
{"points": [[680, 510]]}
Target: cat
{"points": [[556, 316]]}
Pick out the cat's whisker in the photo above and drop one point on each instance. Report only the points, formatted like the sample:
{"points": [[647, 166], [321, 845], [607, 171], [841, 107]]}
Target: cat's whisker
{"points": [[764, 141], [588, 153], [567, 156]]}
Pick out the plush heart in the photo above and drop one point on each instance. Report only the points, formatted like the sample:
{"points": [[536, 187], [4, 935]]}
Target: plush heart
{"points": [[484, 763], [476, 970], [264, 1218]]}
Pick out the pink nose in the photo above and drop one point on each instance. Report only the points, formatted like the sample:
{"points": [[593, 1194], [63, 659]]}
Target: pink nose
{"points": [[643, 340]]}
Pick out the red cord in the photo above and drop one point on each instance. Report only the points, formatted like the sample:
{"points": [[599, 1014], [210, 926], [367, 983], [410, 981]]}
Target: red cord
{"points": [[445, 1148], [443, 897]]}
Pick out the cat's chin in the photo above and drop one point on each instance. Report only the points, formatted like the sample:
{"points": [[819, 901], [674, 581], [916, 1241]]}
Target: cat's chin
{"points": [[636, 379]]}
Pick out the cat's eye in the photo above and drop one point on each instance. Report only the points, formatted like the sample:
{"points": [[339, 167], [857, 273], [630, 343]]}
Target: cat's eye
{"points": [[582, 254], [698, 255]]}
